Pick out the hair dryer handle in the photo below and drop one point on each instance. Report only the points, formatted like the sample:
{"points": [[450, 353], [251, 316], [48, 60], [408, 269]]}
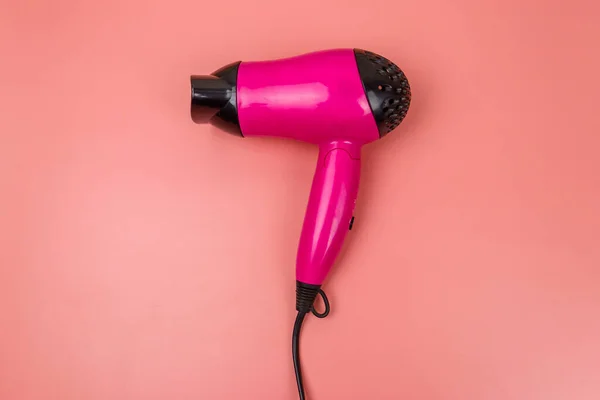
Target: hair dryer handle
{"points": [[329, 211]]}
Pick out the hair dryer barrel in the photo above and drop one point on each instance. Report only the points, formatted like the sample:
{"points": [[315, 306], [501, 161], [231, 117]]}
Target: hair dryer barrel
{"points": [[341, 94]]}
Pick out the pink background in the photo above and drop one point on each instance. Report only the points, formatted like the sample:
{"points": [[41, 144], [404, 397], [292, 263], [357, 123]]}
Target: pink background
{"points": [[145, 257]]}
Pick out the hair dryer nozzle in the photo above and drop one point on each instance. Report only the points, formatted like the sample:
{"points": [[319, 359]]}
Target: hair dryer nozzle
{"points": [[209, 95], [214, 99]]}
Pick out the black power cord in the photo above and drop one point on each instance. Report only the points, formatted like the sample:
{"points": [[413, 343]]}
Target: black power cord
{"points": [[296, 340], [296, 352]]}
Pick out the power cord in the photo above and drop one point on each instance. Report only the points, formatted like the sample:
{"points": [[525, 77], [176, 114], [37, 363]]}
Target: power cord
{"points": [[296, 340]]}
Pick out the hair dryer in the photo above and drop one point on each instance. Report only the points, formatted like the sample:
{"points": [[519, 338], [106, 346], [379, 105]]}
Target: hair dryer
{"points": [[339, 100]]}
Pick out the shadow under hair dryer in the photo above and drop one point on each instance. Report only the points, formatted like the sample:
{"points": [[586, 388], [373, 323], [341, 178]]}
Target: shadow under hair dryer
{"points": [[339, 100]]}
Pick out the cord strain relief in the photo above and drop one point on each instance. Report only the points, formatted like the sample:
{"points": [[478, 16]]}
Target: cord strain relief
{"points": [[305, 296]]}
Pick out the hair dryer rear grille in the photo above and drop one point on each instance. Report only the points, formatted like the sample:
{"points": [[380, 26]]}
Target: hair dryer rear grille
{"points": [[386, 87]]}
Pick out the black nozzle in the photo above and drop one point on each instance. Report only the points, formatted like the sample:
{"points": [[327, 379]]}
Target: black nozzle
{"points": [[209, 95], [386, 87], [214, 99]]}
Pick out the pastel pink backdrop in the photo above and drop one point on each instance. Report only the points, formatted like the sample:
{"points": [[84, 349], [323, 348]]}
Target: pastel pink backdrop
{"points": [[145, 257]]}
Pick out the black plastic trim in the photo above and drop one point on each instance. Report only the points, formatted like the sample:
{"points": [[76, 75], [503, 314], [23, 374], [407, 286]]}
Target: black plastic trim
{"points": [[305, 296], [214, 99], [386, 87]]}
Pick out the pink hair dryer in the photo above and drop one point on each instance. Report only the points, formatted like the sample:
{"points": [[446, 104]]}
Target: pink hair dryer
{"points": [[336, 99]]}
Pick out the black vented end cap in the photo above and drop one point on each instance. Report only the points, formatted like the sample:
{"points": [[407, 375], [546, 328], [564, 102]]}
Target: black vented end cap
{"points": [[305, 296], [386, 87], [214, 99]]}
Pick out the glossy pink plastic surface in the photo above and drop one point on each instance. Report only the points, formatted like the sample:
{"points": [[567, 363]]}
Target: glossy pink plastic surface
{"points": [[317, 98], [329, 211]]}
